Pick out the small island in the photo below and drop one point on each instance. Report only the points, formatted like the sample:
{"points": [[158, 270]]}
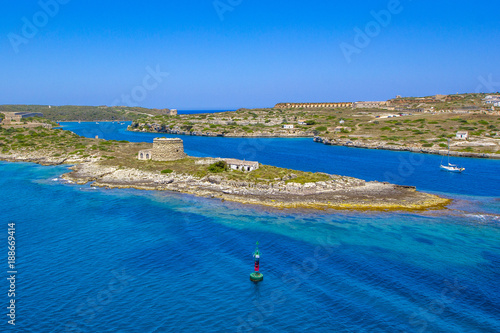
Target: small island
{"points": [[164, 166]]}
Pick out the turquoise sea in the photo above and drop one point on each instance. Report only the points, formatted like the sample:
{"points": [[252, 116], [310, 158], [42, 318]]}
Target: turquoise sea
{"points": [[97, 260]]}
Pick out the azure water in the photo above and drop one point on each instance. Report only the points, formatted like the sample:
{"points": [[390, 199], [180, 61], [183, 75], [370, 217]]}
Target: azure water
{"points": [[96, 260]]}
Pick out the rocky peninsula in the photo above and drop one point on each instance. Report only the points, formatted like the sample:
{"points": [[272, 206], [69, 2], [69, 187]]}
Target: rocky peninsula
{"points": [[113, 164], [338, 192]]}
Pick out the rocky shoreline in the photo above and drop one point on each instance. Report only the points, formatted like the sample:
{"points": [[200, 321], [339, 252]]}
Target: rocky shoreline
{"points": [[46, 158], [337, 193], [259, 134], [379, 145], [331, 142]]}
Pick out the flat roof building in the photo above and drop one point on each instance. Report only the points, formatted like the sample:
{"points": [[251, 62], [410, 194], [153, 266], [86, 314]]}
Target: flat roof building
{"points": [[370, 105], [235, 164]]}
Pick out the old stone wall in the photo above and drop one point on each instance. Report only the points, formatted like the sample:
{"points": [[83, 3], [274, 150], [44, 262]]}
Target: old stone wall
{"points": [[169, 112], [166, 149], [145, 155], [312, 105]]}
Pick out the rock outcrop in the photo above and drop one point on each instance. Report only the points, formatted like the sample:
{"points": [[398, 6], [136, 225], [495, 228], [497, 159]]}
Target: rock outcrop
{"points": [[384, 146], [338, 192]]}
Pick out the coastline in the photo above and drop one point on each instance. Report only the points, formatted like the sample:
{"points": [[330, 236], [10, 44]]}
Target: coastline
{"points": [[348, 143], [92, 121], [474, 134], [339, 193], [344, 143], [303, 135]]}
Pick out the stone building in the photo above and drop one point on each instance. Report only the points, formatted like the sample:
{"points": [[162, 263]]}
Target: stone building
{"points": [[312, 105], [15, 117], [164, 149], [370, 105], [241, 165], [145, 155], [170, 112], [11, 117], [233, 164]]}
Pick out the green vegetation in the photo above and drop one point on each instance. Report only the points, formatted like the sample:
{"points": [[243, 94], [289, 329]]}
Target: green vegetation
{"points": [[83, 113], [321, 129], [368, 125], [63, 144], [39, 138], [269, 174], [371, 126], [218, 167]]}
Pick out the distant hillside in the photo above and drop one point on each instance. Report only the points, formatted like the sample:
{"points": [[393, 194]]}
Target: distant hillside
{"points": [[84, 113]]}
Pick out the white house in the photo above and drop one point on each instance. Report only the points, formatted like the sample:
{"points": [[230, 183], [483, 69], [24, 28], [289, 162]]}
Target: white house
{"points": [[241, 165], [288, 126], [492, 99], [464, 135]]}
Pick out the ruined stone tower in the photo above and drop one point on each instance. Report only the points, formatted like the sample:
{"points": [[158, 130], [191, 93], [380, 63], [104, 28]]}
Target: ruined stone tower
{"points": [[166, 149]]}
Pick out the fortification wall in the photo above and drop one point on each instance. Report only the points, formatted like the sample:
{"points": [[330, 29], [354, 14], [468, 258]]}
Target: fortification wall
{"points": [[166, 149], [312, 105]]}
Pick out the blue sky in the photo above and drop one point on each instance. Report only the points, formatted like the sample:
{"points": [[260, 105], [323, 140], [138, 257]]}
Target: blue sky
{"points": [[244, 53]]}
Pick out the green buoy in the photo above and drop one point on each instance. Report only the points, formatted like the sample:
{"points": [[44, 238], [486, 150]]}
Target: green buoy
{"points": [[256, 276]]}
